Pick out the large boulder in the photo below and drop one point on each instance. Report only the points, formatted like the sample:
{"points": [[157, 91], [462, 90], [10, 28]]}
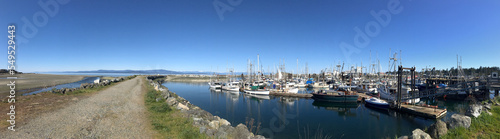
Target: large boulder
{"points": [[458, 120], [171, 101], [199, 113], [474, 110], [214, 124], [438, 129], [419, 134], [224, 122], [181, 106], [241, 132]]}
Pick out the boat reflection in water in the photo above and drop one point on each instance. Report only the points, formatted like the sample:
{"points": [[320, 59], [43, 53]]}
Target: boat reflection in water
{"points": [[343, 109], [338, 120], [288, 100], [257, 97]]}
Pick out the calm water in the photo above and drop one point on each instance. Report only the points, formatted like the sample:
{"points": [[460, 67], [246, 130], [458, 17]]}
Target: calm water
{"points": [[68, 85], [293, 118], [92, 74]]}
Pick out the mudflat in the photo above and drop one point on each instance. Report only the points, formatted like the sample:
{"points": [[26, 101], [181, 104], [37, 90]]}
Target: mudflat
{"points": [[116, 112], [32, 81]]}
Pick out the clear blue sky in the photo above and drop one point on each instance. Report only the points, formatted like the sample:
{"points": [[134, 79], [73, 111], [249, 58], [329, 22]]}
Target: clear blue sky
{"points": [[190, 35]]}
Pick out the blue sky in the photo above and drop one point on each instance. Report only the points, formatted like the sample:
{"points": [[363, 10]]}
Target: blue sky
{"points": [[190, 35]]}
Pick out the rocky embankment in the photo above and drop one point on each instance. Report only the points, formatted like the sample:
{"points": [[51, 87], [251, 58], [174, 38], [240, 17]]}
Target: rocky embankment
{"points": [[213, 126], [441, 128], [101, 83]]}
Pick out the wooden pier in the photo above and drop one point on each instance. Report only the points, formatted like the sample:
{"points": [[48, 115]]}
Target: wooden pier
{"points": [[426, 112], [362, 96]]}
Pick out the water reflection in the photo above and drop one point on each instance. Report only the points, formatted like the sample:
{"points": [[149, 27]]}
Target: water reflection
{"points": [[343, 109], [68, 85], [284, 117]]}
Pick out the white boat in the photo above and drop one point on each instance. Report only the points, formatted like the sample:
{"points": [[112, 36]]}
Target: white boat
{"points": [[258, 92], [290, 88], [319, 85], [301, 84], [260, 97], [215, 85], [232, 87], [389, 94], [377, 103]]}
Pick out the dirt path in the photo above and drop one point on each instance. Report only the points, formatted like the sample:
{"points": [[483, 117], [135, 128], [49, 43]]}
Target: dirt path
{"points": [[117, 112]]}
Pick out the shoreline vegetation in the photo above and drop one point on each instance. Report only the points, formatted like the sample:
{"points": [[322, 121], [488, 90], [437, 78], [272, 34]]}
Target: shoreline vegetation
{"points": [[174, 117], [31, 106], [484, 126], [167, 121]]}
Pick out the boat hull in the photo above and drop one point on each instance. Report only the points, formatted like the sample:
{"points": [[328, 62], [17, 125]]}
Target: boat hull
{"points": [[258, 92], [376, 104], [335, 98]]}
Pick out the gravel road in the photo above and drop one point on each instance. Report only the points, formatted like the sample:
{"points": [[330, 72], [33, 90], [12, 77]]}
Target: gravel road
{"points": [[116, 112]]}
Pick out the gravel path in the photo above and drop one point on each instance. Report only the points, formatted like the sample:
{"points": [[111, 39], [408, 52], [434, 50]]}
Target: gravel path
{"points": [[117, 112]]}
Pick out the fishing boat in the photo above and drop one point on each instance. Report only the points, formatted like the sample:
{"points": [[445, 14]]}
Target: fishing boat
{"points": [[215, 85], [389, 94], [290, 88], [232, 87], [258, 97], [258, 92], [376, 103], [335, 96], [301, 85]]}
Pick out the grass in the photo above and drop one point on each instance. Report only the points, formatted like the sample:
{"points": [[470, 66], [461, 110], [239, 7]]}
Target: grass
{"points": [[167, 121], [484, 126]]}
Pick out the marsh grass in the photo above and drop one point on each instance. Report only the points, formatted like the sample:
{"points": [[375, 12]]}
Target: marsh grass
{"points": [[305, 133], [167, 121]]}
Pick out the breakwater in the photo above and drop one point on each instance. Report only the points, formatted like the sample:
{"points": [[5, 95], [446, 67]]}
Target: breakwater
{"points": [[211, 125]]}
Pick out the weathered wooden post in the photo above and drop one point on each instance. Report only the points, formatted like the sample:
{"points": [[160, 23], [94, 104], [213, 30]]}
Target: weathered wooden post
{"points": [[413, 85], [400, 74]]}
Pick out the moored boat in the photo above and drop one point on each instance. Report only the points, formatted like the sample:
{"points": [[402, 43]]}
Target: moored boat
{"points": [[215, 85], [376, 103], [334, 96]]}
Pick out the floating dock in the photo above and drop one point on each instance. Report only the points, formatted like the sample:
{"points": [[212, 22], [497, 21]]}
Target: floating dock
{"points": [[362, 96], [427, 112]]}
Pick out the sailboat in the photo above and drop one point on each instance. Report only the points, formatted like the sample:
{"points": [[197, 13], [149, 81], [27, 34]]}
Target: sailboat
{"points": [[258, 87], [214, 84]]}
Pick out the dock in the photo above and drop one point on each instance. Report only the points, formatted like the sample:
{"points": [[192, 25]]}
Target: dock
{"points": [[426, 112], [362, 96], [422, 111]]}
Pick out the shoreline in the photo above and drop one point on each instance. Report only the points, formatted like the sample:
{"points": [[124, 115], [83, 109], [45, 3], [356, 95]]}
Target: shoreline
{"points": [[27, 82], [207, 123]]}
